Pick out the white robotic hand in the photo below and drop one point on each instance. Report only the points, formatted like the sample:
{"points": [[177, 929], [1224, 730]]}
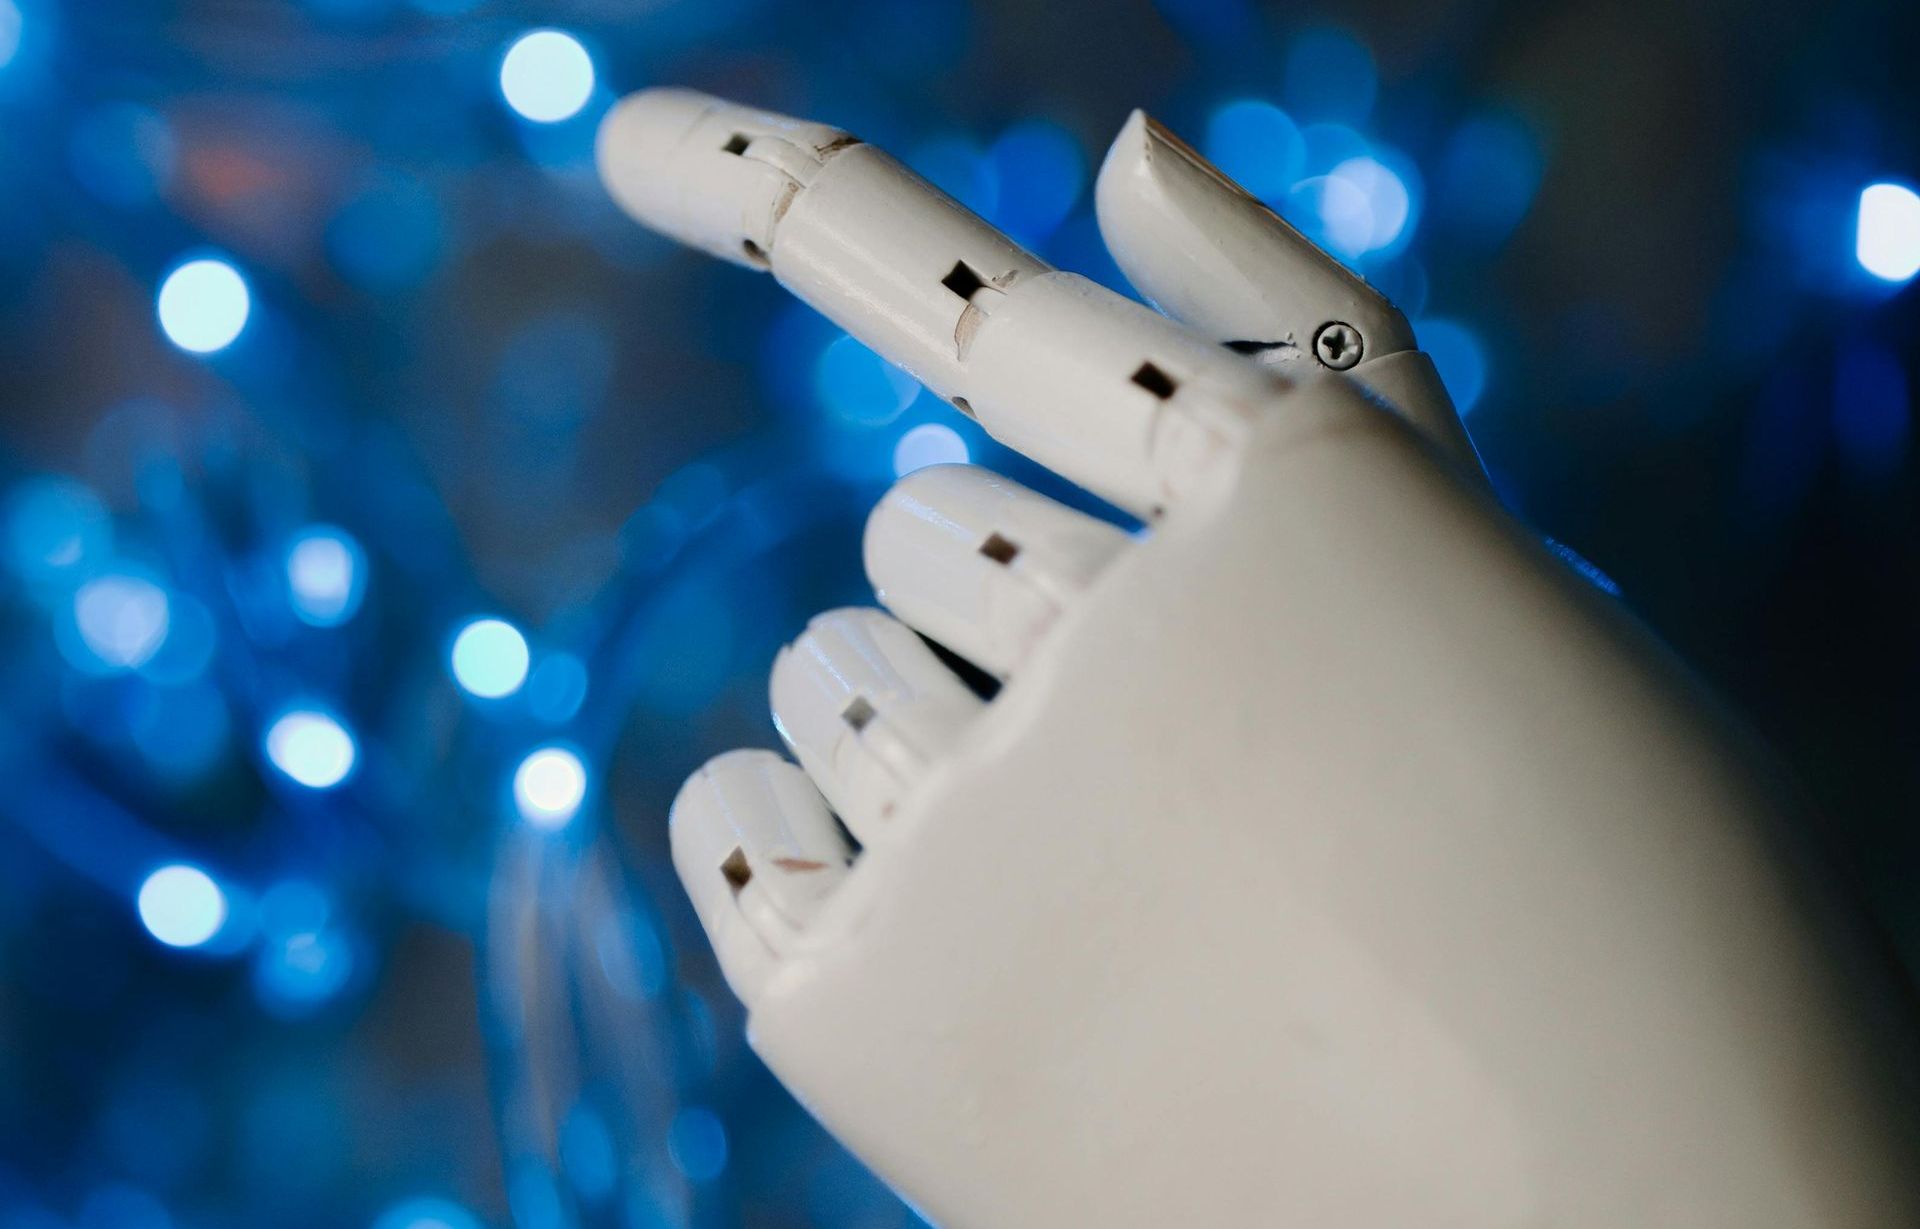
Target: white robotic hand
{"points": [[1331, 857]]}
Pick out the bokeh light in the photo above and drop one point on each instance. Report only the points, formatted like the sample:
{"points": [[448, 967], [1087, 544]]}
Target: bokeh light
{"points": [[1041, 171], [426, 1213], [325, 575], [557, 688], [490, 658], [54, 527], [122, 153], [1887, 232], [697, 1142], [1258, 146], [203, 305], [122, 618], [311, 747], [1458, 355], [929, 443], [549, 786], [859, 388], [1489, 172], [547, 76], [1366, 207], [296, 973], [181, 905], [389, 235]]}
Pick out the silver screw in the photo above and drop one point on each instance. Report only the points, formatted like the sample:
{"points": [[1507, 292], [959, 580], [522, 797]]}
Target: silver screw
{"points": [[1337, 345]]}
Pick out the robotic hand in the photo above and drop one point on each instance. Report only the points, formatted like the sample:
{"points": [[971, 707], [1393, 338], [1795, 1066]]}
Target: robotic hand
{"points": [[1331, 856]]}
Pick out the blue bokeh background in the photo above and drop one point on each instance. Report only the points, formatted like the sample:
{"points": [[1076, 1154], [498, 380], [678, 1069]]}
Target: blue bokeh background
{"points": [[387, 525]]}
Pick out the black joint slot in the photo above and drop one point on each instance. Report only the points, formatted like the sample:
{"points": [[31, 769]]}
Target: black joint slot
{"points": [[999, 549], [858, 715], [963, 281], [1155, 381], [965, 407], [755, 253], [737, 143], [736, 871]]}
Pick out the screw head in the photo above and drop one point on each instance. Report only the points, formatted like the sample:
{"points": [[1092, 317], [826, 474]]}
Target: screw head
{"points": [[1337, 345]]}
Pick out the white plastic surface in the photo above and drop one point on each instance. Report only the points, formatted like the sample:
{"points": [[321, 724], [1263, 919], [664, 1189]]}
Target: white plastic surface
{"points": [[758, 851], [866, 707], [980, 563], [1332, 856]]}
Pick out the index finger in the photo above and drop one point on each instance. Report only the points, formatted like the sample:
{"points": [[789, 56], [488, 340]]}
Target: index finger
{"points": [[1108, 393]]}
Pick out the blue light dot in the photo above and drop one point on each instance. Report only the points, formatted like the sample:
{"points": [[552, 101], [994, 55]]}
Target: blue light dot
{"points": [[1457, 353], [53, 526], [490, 658], [1367, 207], [1489, 174], [549, 786], [557, 688], [122, 619], [547, 76], [426, 1213], [1258, 146], [9, 31], [181, 905], [122, 153], [203, 305], [859, 387], [587, 1153], [1887, 232], [697, 1142], [311, 747], [1040, 170], [929, 443], [389, 237], [292, 906], [295, 973], [325, 575]]}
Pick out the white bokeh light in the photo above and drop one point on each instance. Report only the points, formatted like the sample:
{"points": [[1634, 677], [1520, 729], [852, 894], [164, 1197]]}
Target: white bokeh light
{"points": [[490, 658], [122, 618], [181, 905], [549, 786], [930, 443], [311, 748], [1887, 235], [324, 575], [203, 305], [547, 76]]}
